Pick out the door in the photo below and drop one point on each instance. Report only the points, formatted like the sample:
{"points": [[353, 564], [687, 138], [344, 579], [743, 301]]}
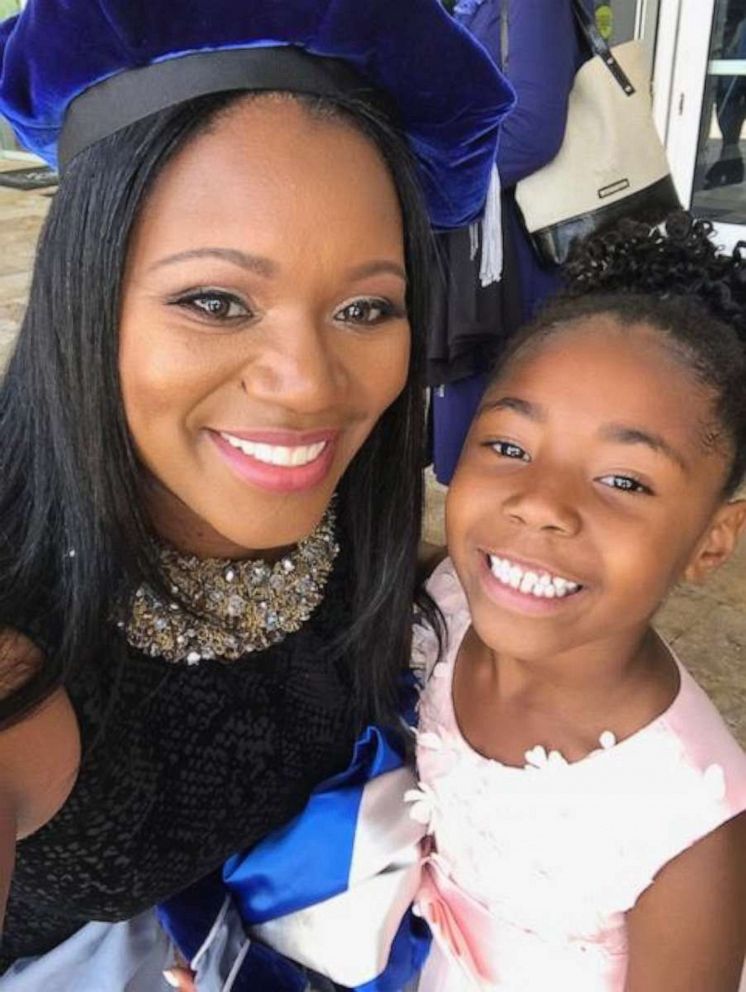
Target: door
{"points": [[705, 127]]}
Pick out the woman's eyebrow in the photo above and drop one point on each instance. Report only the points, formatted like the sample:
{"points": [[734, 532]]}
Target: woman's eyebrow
{"points": [[626, 434], [378, 267], [257, 264], [262, 266]]}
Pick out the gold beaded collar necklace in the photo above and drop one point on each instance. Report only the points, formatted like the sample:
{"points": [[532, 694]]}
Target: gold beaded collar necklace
{"points": [[233, 608]]}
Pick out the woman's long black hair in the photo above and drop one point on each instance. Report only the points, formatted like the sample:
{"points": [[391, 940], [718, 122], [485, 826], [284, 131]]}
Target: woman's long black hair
{"points": [[73, 531]]}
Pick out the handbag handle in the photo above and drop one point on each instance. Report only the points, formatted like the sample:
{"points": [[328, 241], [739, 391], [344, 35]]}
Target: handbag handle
{"points": [[598, 45]]}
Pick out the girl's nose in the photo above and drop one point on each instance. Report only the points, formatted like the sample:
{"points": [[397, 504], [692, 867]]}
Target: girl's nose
{"points": [[544, 505]]}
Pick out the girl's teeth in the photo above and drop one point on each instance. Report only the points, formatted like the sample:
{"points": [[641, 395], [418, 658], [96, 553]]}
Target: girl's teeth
{"points": [[544, 586], [277, 454], [528, 582]]}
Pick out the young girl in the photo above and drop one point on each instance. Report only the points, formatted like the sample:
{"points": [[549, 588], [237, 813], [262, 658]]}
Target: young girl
{"points": [[585, 800]]}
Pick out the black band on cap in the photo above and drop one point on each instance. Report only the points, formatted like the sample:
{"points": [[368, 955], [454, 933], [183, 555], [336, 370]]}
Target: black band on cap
{"points": [[134, 94]]}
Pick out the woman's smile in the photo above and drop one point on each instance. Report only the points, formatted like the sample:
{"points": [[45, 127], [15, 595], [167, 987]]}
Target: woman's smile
{"points": [[278, 461]]}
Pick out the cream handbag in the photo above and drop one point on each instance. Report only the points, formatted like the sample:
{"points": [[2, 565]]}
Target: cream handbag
{"points": [[611, 163]]}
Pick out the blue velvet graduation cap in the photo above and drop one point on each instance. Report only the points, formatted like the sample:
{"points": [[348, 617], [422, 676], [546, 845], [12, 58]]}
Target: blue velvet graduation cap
{"points": [[74, 71]]}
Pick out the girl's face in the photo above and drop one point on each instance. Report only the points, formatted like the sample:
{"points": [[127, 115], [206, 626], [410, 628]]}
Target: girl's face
{"points": [[587, 482], [264, 328]]}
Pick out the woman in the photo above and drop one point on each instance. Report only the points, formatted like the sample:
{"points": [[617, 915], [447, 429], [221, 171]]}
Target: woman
{"points": [[225, 330]]}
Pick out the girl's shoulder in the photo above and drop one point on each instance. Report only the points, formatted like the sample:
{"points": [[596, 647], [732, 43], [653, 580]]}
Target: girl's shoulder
{"points": [[706, 744], [672, 783], [446, 589]]}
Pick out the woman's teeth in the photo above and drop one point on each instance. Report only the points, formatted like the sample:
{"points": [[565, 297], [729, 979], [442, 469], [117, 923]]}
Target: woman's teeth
{"points": [[277, 454], [542, 585]]}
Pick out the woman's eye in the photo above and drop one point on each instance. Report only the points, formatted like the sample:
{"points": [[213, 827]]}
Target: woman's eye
{"points": [[626, 484], [368, 311], [506, 449], [214, 305]]}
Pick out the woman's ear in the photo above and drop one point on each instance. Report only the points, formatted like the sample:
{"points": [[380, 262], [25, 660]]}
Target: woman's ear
{"points": [[719, 543]]}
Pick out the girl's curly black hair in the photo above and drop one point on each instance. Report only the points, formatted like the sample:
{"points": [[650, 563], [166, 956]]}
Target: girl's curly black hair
{"points": [[672, 278]]}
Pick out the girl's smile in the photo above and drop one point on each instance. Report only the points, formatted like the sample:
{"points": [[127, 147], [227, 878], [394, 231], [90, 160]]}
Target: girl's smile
{"points": [[527, 586]]}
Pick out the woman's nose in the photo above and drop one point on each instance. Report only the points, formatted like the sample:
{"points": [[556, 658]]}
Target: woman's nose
{"points": [[302, 371]]}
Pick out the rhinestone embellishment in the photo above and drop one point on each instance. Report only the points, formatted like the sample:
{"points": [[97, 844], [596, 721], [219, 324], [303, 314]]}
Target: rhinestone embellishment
{"points": [[233, 607]]}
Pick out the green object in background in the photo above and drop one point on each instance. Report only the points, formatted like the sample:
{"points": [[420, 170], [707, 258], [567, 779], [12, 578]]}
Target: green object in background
{"points": [[605, 20], [8, 8], [7, 141]]}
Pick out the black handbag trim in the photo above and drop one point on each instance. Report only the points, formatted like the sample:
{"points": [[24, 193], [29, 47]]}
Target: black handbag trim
{"points": [[650, 205], [598, 46]]}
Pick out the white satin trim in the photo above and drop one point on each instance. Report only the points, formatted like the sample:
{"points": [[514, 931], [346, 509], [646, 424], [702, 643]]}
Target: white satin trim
{"points": [[491, 229], [348, 938]]}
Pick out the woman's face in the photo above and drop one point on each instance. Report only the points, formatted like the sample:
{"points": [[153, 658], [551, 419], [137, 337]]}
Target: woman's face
{"points": [[264, 327]]}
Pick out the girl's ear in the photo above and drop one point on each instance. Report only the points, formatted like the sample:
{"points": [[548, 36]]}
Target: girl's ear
{"points": [[718, 543]]}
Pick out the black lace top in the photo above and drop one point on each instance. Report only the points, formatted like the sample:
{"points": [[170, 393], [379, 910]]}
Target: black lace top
{"points": [[192, 765]]}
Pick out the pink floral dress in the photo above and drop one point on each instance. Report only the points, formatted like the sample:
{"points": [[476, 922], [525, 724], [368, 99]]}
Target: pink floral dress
{"points": [[533, 868]]}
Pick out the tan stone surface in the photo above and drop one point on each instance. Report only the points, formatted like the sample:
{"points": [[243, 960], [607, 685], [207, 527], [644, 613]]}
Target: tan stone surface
{"points": [[707, 626], [21, 216]]}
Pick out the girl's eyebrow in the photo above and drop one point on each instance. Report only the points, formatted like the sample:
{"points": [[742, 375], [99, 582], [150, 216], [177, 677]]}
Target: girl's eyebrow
{"points": [[626, 434], [616, 433], [531, 410]]}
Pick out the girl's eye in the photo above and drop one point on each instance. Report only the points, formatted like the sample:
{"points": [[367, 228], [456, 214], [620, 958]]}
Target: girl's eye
{"points": [[506, 449], [214, 305], [626, 484], [368, 311]]}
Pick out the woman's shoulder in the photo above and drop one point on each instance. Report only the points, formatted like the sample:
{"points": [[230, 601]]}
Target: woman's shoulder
{"points": [[21, 660], [40, 747]]}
